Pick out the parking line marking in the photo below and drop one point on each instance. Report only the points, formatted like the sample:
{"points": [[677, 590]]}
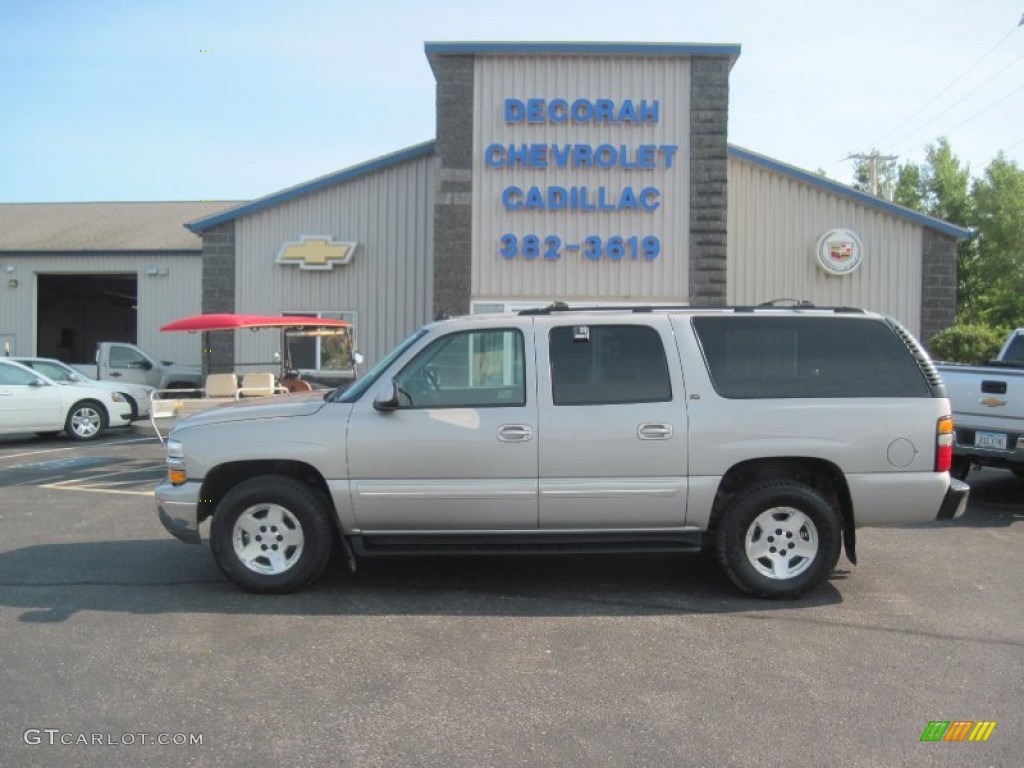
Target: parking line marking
{"points": [[60, 487], [74, 447], [41, 482], [88, 485]]}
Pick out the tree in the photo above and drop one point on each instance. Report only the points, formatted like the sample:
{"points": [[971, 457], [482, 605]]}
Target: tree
{"points": [[998, 266], [910, 190], [990, 266], [946, 185]]}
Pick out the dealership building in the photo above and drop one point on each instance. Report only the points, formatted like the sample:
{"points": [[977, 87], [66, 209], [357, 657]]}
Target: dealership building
{"points": [[594, 173]]}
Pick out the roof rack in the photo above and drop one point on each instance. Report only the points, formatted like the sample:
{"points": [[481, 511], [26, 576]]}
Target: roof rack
{"points": [[561, 306], [797, 305]]}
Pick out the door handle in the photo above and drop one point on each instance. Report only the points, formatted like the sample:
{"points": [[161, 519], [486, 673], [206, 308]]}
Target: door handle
{"points": [[654, 431], [114, 374], [515, 433]]}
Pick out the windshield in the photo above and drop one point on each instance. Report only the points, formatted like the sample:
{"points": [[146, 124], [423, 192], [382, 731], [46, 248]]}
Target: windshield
{"points": [[52, 370], [356, 391]]}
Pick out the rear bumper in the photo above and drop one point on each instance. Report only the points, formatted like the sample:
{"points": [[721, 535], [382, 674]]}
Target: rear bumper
{"points": [[955, 502]]}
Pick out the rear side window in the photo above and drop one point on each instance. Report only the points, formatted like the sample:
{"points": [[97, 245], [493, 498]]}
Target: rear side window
{"points": [[1015, 351], [766, 357], [605, 364]]}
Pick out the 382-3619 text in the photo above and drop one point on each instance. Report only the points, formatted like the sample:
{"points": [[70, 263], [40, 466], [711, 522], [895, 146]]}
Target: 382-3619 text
{"points": [[594, 248]]}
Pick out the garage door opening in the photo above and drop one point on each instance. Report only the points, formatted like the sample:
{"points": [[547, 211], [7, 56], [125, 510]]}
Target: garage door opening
{"points": [[74, 312]]}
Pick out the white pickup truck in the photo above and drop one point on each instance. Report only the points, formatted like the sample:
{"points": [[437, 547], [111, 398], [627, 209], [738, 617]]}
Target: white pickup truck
{"points": [[121, 361], [988, 410], [752, 432]]}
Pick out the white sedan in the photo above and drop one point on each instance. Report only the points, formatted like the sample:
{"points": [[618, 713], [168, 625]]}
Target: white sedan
{"points": [[32, 402], [136, 395]]}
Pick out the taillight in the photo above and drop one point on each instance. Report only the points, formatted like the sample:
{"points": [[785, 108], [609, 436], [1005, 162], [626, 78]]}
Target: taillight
{"points": [[944, 444]]}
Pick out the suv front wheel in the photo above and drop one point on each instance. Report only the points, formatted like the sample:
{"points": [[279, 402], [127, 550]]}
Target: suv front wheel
{"points": [[271, 534], [778, 539]]}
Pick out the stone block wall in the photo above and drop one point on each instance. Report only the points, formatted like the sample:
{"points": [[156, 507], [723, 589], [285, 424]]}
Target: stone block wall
{"points": [[938, 283], [453, 221], [219, 294], [709, 169]]}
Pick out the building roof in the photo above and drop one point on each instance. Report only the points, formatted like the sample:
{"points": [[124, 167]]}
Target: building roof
{"points": [[50, 227], [731, 50], [845, 191], [323, 182]]}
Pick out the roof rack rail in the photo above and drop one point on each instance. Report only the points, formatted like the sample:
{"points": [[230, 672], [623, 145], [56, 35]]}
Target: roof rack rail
{"points": [[561, 306], [800, 305], [796, 306], [791, 303]]}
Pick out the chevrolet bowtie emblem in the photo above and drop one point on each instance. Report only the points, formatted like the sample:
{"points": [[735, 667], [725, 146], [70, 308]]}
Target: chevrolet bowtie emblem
{"points": [[992, 402], [316, 252]]}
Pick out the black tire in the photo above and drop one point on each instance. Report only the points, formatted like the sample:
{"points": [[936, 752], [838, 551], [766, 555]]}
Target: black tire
{"points": [[774, 567], [86, 420], [293, 518]]}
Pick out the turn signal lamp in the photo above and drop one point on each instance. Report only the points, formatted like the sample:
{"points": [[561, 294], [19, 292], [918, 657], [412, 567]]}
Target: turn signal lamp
{"points": [[944, 444], [176, 472]]}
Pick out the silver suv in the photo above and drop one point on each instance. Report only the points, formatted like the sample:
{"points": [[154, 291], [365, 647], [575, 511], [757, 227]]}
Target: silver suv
{"points": [[767, 434]]}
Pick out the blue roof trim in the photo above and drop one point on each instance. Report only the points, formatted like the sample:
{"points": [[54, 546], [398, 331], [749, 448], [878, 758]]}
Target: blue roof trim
{"points": [[348, 174], [633, 49], [842, 189]]}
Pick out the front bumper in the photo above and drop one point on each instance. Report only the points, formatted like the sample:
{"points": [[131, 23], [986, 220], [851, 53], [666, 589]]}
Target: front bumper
{"points": [[177, 506], [955, 503]]}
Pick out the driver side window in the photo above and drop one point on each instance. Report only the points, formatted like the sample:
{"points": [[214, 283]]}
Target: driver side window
{"points": [[122, 357], [471, 369], [10, 375]]}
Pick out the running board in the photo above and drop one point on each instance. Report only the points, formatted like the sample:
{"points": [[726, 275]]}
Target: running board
{"points": [[382, 545]]}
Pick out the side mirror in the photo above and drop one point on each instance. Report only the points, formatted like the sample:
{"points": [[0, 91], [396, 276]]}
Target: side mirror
{"points": [[387, 401], [357, 358], [38, 383]]}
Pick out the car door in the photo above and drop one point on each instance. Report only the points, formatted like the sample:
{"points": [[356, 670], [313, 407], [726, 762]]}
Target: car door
{"points": [[28, 403], [458, 450], [125, 363], [613, 424]]}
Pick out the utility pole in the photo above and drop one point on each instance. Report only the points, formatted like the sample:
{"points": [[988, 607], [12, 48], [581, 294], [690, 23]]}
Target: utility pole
{"points": [[873, 159]]}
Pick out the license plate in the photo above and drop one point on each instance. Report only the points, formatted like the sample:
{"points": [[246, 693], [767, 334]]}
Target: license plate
{"points": [[995, 440]]}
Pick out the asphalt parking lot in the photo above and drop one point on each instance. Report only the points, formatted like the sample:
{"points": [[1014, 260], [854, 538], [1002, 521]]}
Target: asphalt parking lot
{"points": [[116, 636]]}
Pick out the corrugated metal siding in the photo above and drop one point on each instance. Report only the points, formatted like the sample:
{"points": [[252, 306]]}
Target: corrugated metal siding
{"points": [[160, 299], [389, 282], [573, 277], [774, 225]]}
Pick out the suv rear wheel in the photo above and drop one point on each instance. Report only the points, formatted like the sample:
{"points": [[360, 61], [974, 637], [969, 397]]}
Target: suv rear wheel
{"points": [[778, 539], [271, 534]]}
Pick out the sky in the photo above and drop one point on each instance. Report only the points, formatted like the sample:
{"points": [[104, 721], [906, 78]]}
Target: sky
{"points": [[232, 100]]}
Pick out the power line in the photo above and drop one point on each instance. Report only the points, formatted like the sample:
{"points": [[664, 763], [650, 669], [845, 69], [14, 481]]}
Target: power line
{"points": [[955, 103], [986, 109], [1014, 145], [960, 77], [976, 115]]}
